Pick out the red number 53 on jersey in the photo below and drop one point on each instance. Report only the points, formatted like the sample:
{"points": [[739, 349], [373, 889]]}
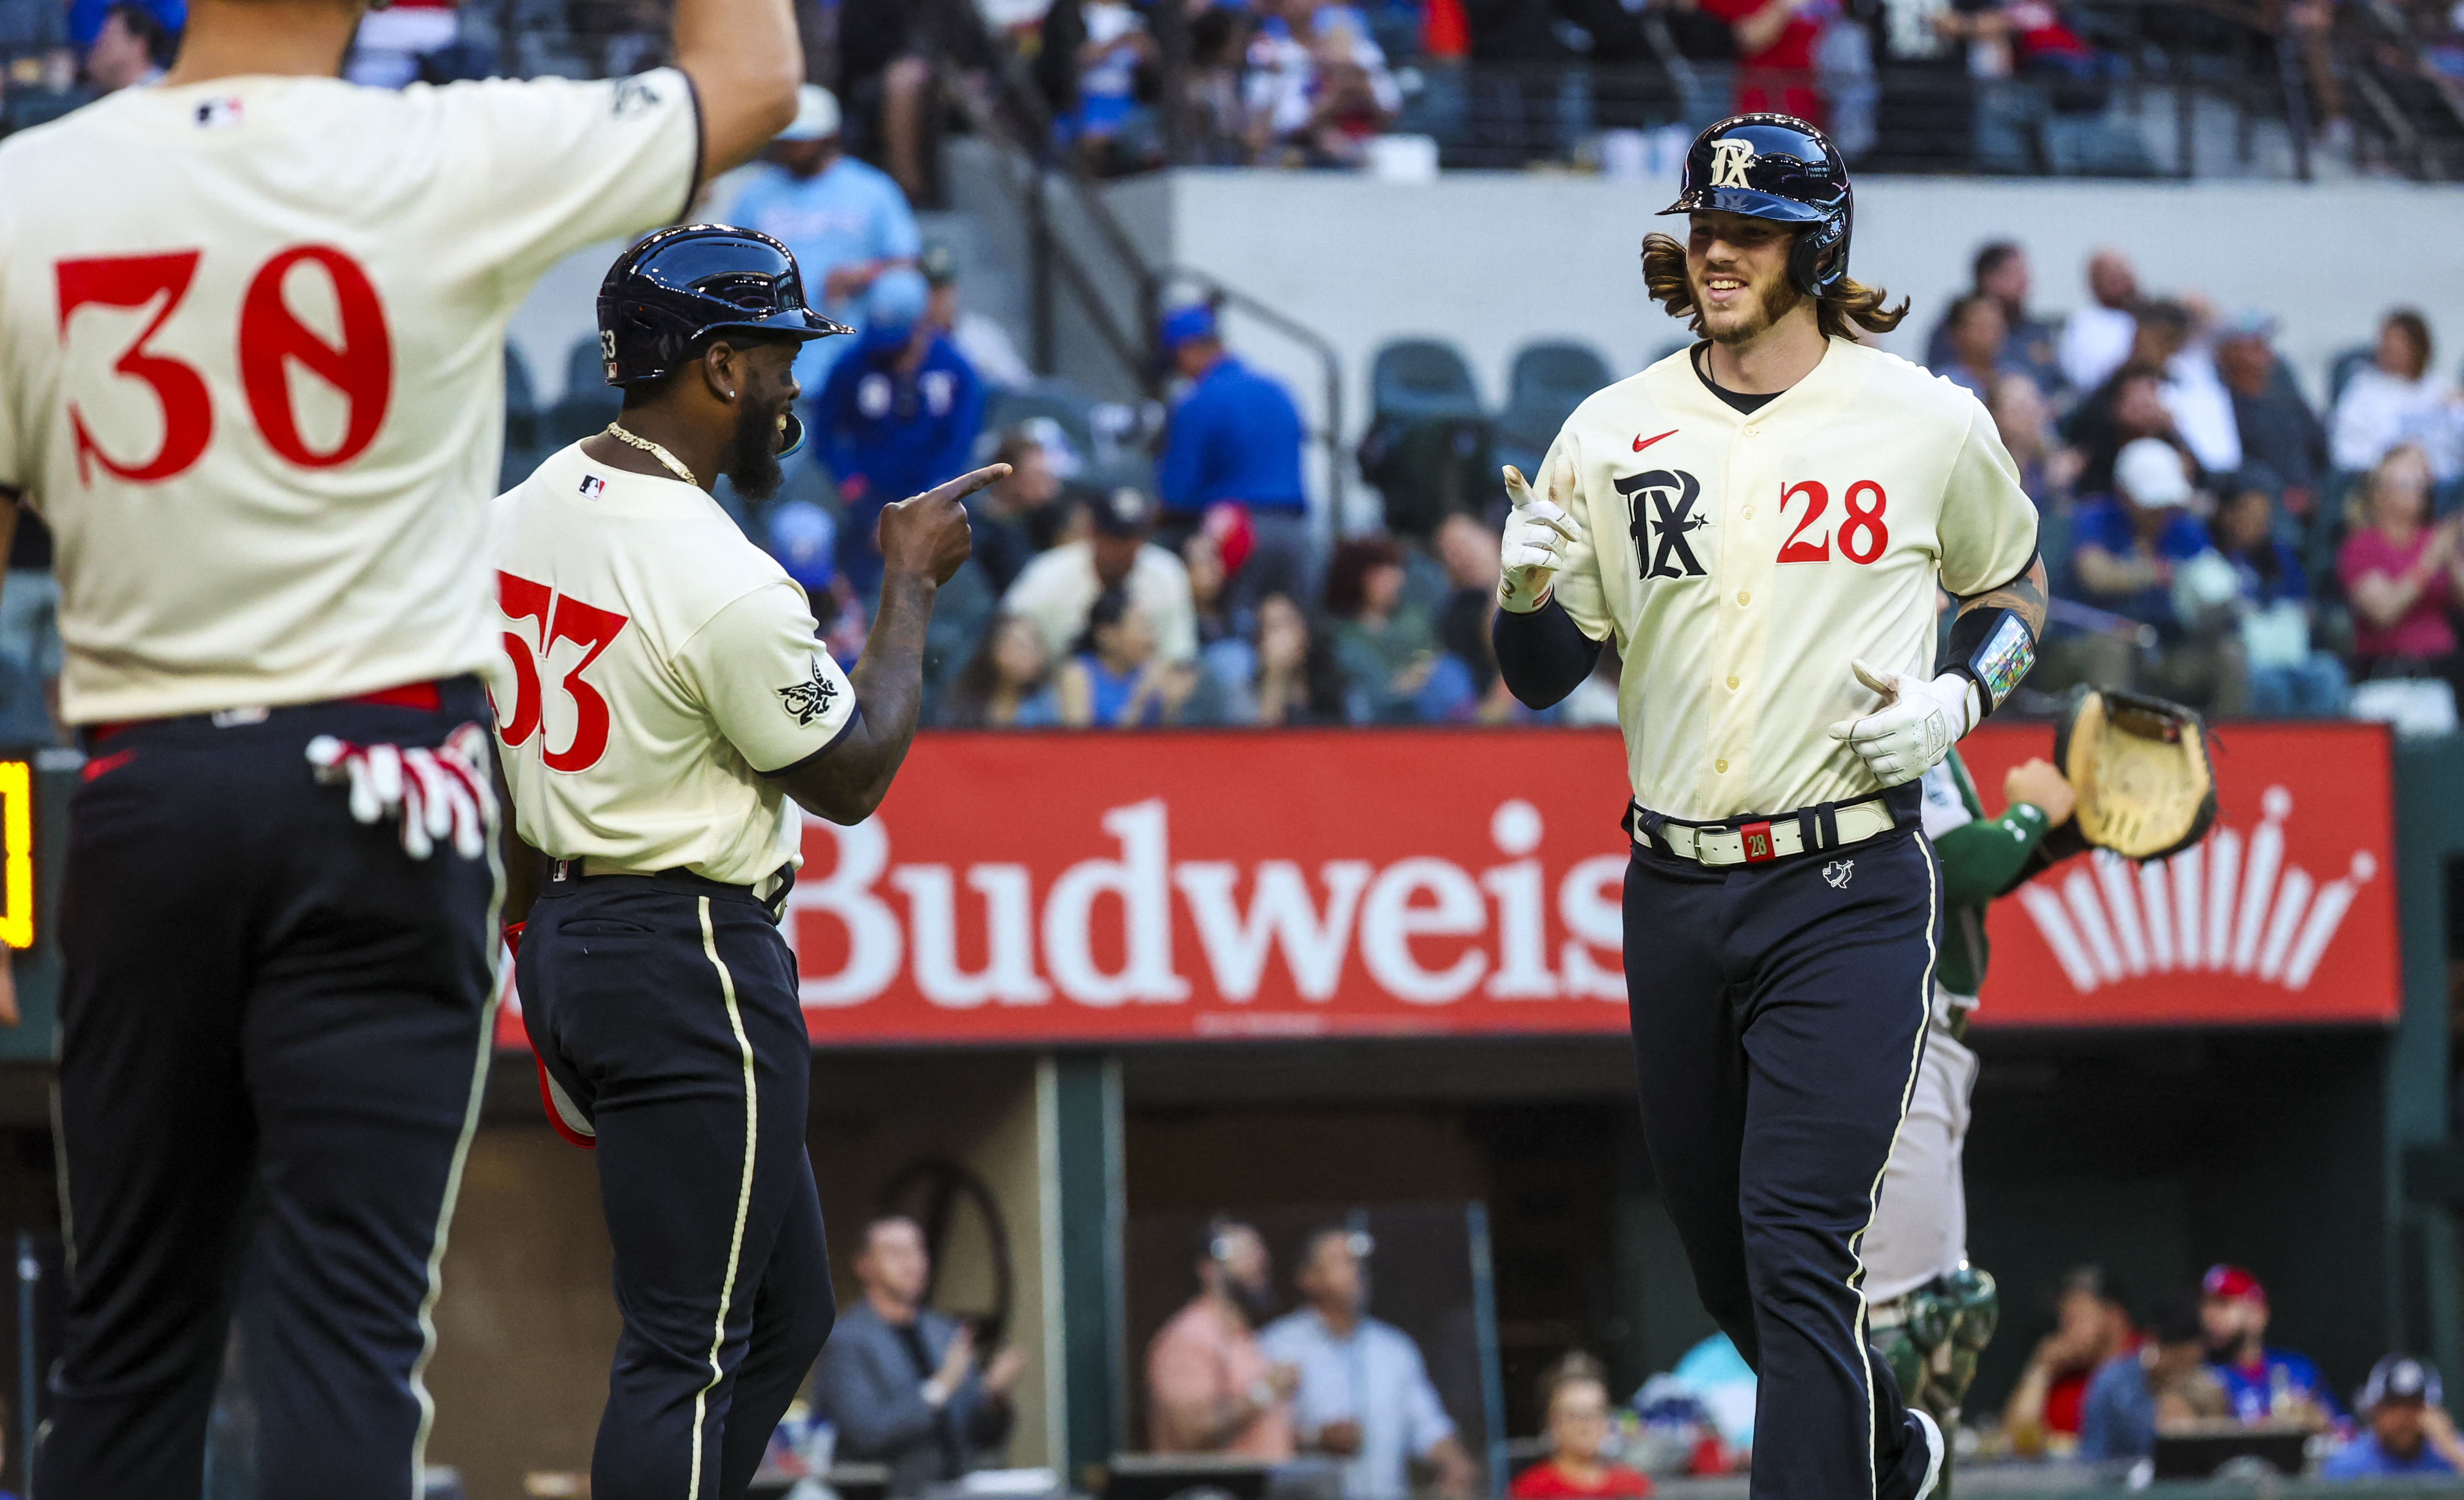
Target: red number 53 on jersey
{"points": [[559, 618], [269, 339]]}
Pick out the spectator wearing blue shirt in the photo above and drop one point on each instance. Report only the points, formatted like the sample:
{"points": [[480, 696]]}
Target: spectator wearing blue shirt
{"points": [[897, 416], [2127, 545], [2161, 1383], [2263, 1385], [847, 222], [2288, 678], [1236, 439], [2410, 1431], [1364, 1396]]}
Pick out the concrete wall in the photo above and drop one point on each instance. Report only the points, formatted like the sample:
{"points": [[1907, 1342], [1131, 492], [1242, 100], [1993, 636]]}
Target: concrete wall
{"points": [[1495, 260]]}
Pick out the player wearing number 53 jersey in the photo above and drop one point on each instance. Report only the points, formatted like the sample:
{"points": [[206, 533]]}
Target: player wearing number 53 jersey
{"points": [[662, 710], [251, 342], [1760, 524]]}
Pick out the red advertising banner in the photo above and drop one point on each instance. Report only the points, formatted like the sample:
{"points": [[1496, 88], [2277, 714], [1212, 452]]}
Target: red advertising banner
{"points": [[2286, 912], [1112, 888]]}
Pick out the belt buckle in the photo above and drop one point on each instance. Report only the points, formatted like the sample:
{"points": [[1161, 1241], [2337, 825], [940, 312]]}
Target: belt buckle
{"points": [[1758, 840]]}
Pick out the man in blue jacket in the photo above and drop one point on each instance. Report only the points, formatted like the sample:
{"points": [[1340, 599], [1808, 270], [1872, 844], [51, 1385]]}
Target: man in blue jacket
{"points": [[899, 1381], [901, 409], [1236, 439]]}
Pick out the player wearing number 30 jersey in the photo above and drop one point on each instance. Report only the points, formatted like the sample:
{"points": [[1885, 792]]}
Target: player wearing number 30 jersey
{"points": [[1760, 523], [251, 346]]}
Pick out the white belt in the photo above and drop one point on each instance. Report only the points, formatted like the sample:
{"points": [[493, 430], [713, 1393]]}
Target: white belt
{"points": [[1775, 839]]}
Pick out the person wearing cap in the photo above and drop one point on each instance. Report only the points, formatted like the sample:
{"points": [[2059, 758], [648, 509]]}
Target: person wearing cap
{"points": [[984, 342], [2276, 424], [1236, 437], [2158, 1383], [1058, 590], [2263, 1385], [2270, 606], [2128, 544], [898, 415], [2410, 1431], [847, 221]]}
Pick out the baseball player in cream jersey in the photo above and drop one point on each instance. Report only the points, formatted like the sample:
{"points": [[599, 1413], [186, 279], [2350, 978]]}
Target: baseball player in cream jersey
{"points": [[1760, 523], [252, 346], [662, 710]]}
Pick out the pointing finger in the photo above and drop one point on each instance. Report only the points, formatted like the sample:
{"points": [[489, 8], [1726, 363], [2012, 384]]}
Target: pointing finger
{"points": [[966, 484], [1517, 489]]}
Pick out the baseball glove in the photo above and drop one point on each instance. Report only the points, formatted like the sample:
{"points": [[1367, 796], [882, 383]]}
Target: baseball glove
{"points": [[2140, 767]]}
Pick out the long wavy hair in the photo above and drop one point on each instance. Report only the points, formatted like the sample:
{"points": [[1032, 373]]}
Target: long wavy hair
{"points": [[1852, 303]]}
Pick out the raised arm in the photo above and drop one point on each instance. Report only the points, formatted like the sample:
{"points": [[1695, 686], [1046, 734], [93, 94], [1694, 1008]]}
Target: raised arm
{"points": [[924, 541], [1541, 652], [745, 61]]}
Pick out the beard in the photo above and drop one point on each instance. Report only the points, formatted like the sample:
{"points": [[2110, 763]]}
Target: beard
{"points": [[1768, 305], [753, 452]]}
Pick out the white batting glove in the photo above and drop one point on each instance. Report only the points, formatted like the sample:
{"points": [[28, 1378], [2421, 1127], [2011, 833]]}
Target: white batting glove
{"points": [[435, 796], [1916, 726], [1530, 553]]}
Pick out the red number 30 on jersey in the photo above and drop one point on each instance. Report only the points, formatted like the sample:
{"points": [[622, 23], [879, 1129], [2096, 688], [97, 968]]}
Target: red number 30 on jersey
{"points": [[559, 618], [269, 339], [1862, 534]]}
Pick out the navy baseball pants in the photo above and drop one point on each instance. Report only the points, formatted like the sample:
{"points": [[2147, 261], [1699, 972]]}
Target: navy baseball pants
{"points": [[1779, 1012], [664, 1007], [274, 1026]]}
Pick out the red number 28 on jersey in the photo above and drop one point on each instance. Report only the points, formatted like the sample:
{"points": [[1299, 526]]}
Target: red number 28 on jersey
{"points": [[270, 338], [559, 618]]}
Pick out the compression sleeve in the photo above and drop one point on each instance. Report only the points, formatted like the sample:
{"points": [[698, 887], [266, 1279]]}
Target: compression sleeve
{"points": [[1982, 859], [1543, 654]]}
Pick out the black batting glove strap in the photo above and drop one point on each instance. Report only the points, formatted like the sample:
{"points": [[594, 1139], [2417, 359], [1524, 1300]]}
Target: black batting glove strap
{"points": [[1993, 649]]}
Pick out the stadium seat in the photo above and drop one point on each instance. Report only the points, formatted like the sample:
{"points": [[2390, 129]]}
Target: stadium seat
{"points": [[1422, 377], [1548, 382], [588, 403], [1428, 446], [2341, 370], [522, 450]]}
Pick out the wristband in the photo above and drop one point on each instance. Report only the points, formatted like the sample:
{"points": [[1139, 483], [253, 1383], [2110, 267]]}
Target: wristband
{"points": [[1993, 649]]}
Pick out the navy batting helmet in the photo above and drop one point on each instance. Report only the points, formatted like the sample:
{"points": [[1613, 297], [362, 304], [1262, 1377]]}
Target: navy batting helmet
{"points": [[666, 297], [1778, 167]]}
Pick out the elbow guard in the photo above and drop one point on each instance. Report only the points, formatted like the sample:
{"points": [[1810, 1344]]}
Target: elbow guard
{"points": [[1993, 649]]}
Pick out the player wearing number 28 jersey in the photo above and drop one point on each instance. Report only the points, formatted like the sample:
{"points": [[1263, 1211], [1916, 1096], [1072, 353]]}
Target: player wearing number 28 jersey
{"points": [[1760, 523], [252, 343]]}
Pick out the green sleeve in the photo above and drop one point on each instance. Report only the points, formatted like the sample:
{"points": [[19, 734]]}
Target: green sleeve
{"points": [[1980, 859]]}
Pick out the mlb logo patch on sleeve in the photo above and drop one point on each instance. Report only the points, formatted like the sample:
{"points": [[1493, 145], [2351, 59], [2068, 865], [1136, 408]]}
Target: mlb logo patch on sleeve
{"points": [[219, 114], [591, 485]]}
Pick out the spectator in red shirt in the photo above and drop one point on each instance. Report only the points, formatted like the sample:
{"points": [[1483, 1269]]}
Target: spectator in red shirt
{"points": [[1576, 1395], [2403, 574], [1776, 44], [2090, 1325]]}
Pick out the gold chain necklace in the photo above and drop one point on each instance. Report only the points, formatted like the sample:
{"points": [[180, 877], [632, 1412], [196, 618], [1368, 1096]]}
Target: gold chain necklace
{"points": [[674, 466]]}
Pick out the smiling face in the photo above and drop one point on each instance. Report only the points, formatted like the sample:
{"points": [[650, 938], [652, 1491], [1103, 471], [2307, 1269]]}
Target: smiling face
{"points": [[1737, 269]]}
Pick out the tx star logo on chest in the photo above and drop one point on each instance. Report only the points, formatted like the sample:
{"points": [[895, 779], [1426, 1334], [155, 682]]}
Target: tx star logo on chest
{"points": [[1659, 512]]}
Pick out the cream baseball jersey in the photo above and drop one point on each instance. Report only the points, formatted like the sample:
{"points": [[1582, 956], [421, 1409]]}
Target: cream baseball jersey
{"points": [[655, 665], [1740, 563], [251, 364]]}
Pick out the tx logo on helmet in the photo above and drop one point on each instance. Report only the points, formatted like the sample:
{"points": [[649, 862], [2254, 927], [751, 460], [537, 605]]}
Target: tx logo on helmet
{"points": [[1659, 510], [1729, 159]]}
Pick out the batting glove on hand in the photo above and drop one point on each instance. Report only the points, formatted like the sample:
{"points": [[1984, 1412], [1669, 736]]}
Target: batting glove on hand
{"points": [[1915, 727], [1530, 552], [435, 795]]}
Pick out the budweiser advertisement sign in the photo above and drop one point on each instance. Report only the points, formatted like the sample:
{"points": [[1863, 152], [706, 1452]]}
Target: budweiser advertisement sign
{"points": [[1112, 888]]}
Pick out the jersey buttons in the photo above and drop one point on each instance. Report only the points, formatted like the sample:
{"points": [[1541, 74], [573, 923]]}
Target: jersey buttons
{"points": [[1732, 684], [1744, 598], [1721, 766]]}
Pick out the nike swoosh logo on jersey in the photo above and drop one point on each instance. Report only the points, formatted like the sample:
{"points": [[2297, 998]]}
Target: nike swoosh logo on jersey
{"points": [[1641, 442]]}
